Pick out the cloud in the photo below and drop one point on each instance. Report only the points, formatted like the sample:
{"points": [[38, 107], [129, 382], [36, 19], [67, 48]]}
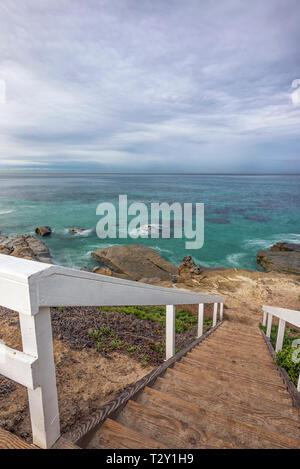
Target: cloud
{"points": [[159, 85]]}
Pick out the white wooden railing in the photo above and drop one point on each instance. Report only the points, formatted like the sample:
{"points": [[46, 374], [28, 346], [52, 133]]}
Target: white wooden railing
{"points": [[285, 316], [31, 288]]}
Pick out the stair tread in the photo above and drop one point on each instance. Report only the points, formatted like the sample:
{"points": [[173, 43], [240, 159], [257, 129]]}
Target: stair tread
{"points": [[204, 354], [270, 377], [172, 432], [10, 441], [267, 418], [114, 435], [240, 433], [197, 369], [213, 380]]}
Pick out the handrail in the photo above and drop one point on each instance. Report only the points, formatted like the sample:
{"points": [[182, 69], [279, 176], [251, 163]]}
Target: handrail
{"points": [[284, 315], [31, 288]]}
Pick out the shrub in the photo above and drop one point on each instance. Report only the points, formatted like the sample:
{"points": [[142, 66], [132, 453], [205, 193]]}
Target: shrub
{"points": [[285, 360]]}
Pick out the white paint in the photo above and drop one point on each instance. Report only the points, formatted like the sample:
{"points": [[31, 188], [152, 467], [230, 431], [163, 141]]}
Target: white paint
{"points": [[18, 366], [37, 340], [298, 387], [200, 319], [289, 315], [280, 335], [170, 331], [269, 325], [221, 311], [215, 315], [264, 321]]}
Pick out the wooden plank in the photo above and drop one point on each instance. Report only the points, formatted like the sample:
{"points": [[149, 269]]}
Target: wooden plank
{"points": [[170, 331], [113, 435], [240, 433], [10, 441], [18, 366], [197, 370], [87, 425], [44, 414], [255, 410], [172, 432]]}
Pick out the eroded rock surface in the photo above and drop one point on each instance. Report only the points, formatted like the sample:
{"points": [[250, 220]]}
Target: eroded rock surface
{"points": [[136, 262], [282, 257], [26, 247]]}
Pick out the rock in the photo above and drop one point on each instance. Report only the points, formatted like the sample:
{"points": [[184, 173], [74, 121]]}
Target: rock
{"points": [[26, 247], [280, 259], [110, 273], [188, 269], [43, 230], [285, 247], [135, 261], [76, 230]]}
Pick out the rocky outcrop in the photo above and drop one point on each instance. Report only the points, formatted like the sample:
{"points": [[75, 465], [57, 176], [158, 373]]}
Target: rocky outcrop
{"points": [[43, 230], [282, 257], [188, 269], [136, 262], [76, 230], [25, 246]]}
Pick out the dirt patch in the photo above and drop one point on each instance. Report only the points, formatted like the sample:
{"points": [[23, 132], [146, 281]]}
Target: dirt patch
{"points": [[86, 378]]}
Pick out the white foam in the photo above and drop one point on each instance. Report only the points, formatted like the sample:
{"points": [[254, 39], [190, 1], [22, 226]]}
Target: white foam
{"points": [[5, 212]]}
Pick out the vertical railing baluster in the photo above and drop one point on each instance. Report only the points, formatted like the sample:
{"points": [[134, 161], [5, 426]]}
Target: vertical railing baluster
{"points": [[269, 325], [215, 315], [221, 311], [264, 321], [170, 331], [280, 335], [298, 387], [200, 319], [37, 341]]}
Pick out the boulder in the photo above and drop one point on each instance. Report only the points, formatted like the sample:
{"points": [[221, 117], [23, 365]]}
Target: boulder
{"points": [[76, 230], [282, 257], [43, 230], [188, 269], [25, 246], [135, 262]]}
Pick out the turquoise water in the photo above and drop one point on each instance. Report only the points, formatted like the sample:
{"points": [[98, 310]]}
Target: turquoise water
{"points": [[242, 213]]}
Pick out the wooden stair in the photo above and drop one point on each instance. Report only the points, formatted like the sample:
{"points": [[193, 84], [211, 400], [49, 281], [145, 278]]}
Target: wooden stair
{"points": [[225, 393]]}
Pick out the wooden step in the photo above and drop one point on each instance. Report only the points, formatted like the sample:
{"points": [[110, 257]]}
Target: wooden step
{"points": [[113, 435], [271, 376], [236, 360], [253, 341], [241, 434], [231, 351], [215, 381], [229, 375], [259, 349], [10, 441], [269, 420], [172, 432]]}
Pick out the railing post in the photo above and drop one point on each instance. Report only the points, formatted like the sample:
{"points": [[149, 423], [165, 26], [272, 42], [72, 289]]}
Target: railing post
{"points": [[264, 321], [298, 387], [200, 319], [170, 331], [215, 315], [269, 325], [221, 311], [37, 341], [280, 335]]}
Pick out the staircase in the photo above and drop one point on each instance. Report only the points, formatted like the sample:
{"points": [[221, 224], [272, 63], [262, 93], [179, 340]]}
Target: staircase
{"points": [[225, 393]]}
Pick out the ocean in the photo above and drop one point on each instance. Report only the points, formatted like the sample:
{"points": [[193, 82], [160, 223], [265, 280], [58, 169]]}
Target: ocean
{"points": [[243, 213]]}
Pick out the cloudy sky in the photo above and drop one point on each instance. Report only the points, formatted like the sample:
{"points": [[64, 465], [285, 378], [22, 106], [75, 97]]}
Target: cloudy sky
{"points": [[160, 85]]}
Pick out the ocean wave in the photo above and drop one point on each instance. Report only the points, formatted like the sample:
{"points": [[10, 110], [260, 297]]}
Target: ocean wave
{"points": [[146, 230], [263, 243], [234, 260], [6, 212]]}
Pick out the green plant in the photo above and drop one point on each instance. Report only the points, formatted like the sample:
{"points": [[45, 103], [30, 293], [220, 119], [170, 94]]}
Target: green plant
{"points": [[284, 358]]}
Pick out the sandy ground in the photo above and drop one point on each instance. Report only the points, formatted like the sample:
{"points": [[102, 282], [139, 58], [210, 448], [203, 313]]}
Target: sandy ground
{"points": [[85, 380]]}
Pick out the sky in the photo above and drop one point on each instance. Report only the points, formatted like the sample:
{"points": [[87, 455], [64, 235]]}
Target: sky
{"points": [[149, 85]]}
